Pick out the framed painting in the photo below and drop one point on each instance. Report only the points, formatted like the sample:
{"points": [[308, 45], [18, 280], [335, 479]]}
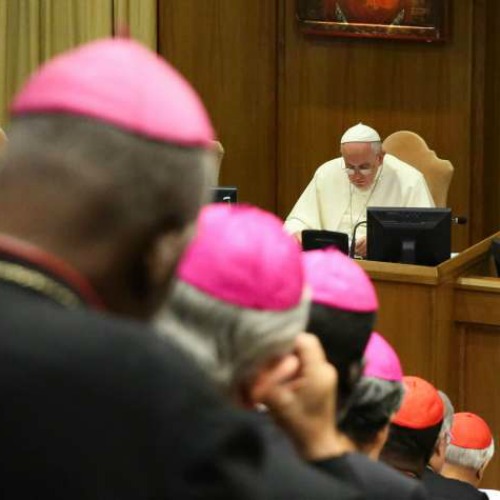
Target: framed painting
{"points": [[420, 20]]}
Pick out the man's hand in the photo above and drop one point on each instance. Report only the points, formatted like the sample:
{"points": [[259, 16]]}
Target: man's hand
{"points": [[360, 249], [298, 236], [304, 406]]}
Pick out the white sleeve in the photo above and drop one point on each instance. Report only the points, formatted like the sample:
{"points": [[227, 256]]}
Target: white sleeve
{"points": [[305, 213]]}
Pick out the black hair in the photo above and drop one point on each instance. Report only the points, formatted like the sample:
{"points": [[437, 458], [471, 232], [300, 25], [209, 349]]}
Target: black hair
{"points": [[410, 449], [371, 406], [343, 335]]}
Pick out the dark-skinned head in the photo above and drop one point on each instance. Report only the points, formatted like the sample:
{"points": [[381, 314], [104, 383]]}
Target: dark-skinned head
{"points": [[342, 314], [108, 177], [415, 427]]}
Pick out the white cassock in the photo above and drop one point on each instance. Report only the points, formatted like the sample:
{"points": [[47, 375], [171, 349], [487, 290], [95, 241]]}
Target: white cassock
{"points": [[331, 202], [492, 494]]}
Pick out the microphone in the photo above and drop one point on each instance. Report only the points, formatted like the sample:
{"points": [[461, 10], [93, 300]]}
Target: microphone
{"points": [[352, 248], [459, 219]]}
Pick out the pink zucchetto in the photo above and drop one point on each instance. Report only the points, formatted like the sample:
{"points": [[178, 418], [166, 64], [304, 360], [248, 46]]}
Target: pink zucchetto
{"points": [[381, 360], [339, 282], [120, 82], [242, 256]]}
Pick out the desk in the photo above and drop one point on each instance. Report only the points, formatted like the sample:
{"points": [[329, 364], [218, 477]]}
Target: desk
{"points": [[444, 321]]}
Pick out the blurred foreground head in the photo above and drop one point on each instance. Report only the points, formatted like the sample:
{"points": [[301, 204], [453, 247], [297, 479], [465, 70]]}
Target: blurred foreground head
{"points": [[238, 302], [108, 152]]}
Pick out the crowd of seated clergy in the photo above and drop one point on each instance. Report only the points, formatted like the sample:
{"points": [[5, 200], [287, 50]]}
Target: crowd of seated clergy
{"points": [[153, 346]]}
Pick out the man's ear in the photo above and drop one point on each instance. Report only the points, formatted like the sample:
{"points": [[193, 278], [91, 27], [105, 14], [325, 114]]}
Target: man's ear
{"points": [[480, 472], [164, 254], [440, 448], [380, 157], [382, 436]]}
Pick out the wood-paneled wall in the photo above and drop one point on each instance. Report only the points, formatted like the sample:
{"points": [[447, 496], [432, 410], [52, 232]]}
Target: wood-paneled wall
{"points": [[280, 100], [329, 84], [227, 49], [491, 169]]}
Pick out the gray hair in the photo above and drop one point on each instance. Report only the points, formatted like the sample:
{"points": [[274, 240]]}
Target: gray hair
{"points": [[372, 404], [469, 458], [228, 342], [449, 411], [376, 147]]}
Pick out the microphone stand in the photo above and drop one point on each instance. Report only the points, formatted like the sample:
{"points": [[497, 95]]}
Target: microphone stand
{"points": [[352, 248]]}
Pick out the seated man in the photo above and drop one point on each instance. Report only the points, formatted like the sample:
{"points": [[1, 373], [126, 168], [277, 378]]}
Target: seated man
{"points": [[377, 396], [364, 176], [342, 315], [238, 308], [469, 452], [437, 459], [100, 187], [415, 428], [342, 312]]}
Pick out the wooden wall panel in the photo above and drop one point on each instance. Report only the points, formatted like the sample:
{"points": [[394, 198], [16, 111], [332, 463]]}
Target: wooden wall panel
{"points": [[403, 326], [328, 84], [481, 389], [491, 169], [227, 49]]}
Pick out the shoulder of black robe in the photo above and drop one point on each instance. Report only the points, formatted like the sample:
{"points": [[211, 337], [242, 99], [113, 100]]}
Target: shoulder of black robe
{"points": [[443, 488], [98, 408], [376, 480], [289, 477]]}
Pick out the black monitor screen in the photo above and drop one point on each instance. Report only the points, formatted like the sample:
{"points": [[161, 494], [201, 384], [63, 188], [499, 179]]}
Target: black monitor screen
{"points": [[225, 194], [495, 251], [313, 239], [409, 235]]}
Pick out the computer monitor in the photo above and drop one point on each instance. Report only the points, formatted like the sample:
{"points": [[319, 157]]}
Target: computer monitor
{"points": [[313, 239], [224, 194], [495, 252], [409, 235]]}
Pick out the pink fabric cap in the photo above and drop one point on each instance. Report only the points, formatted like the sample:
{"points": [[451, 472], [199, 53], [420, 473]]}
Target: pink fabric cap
{"points": [[120, 82], [381, 360], [339, 282], [242, 255]]}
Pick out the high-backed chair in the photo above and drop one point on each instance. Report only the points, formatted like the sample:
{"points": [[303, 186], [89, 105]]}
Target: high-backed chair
{"points": [[219, 151], [412, 149]]}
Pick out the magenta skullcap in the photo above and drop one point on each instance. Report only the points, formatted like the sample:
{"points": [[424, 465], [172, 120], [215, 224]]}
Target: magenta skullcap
{"points": [[120, 82], [339, 282], [381, 360], [242, 255]]}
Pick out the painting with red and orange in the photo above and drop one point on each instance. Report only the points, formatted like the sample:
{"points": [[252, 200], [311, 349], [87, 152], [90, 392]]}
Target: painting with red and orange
{"points": [[386, 18]]}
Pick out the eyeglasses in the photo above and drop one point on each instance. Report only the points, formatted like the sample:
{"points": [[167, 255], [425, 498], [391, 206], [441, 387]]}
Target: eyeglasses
{"points": [[350, 171]]}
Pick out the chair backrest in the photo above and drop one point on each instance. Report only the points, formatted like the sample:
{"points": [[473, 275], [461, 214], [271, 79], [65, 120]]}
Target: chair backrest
{"points": [[412, 149], [219, 151]]}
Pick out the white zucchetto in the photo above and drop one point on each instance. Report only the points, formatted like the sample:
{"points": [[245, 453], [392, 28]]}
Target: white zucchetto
{"points": [[360, 133]]}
